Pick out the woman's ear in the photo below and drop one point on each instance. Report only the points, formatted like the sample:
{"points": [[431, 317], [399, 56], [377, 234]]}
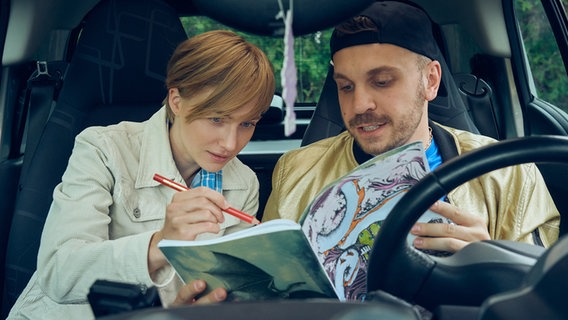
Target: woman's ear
{"points": [[174, 100], [433, 79]]}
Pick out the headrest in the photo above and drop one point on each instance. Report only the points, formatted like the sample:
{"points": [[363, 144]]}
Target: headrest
{"points": [[123, 50]]}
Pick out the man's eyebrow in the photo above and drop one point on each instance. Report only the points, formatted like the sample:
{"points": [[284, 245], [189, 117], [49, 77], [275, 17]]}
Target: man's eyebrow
{"points": [[337, 75], [370, 73], [382, 69]]}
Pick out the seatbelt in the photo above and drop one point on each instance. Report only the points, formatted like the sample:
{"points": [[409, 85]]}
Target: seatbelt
{"points": [[477, 94], [42, 89]]}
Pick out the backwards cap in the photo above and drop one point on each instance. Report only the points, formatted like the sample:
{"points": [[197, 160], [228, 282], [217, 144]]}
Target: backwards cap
{"points": [[398, 24]]}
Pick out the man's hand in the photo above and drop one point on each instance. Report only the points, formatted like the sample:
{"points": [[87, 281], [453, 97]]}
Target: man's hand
{"points": [[467, 228], [189, 292]]}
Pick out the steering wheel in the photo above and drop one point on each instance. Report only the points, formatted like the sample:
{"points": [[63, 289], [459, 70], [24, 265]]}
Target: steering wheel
{"points": [[480, 269]]}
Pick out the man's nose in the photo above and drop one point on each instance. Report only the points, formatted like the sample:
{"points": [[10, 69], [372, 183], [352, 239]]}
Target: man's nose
{"points": [[362, 101]]}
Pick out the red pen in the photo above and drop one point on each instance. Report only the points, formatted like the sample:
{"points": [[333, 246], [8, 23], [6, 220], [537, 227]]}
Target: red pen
{"points": [[180, 187]]}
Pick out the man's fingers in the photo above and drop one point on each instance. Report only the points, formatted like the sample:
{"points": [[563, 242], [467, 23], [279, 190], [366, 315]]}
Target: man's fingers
{"points": [[439, 244], [439, 236], [466, 228], [455, 214], [450, 230], [437, 229]]}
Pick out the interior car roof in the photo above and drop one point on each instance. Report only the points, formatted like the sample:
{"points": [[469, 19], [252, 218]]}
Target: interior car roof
{"points": [[28, 21]]}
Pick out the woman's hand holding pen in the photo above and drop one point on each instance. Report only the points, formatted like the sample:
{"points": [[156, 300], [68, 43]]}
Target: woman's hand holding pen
{"points": [[189, 214], [193, 212], [232, 211]]}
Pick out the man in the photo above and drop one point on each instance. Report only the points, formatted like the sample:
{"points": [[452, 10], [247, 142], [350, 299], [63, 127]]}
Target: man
{"points": [[386, 71]]}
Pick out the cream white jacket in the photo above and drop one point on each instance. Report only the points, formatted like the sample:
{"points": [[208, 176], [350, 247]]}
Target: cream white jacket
{"points": [[104, 213]]}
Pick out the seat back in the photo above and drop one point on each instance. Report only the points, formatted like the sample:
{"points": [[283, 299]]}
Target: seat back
{"points": [[116, 73]]}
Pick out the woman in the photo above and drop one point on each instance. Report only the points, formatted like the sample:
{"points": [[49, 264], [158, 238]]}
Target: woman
{"points": [[108, 214]]}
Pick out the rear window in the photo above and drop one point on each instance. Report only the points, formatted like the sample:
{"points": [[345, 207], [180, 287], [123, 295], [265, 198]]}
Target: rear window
{"points": [[311, 55]]}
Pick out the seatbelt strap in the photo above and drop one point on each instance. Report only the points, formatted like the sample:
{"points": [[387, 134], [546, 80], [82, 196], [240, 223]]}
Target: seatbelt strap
{"points": [[42, 89]]}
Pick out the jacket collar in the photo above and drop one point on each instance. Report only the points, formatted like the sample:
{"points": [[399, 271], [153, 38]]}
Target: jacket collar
{"points": [[444, 140], [155, 152]]}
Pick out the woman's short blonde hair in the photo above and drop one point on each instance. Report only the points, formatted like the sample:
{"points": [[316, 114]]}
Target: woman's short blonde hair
{"points": [[236, 70]]}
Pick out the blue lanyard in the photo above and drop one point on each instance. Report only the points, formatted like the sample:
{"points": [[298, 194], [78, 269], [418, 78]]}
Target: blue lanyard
{"points": [[433, 156], [434, 159]]}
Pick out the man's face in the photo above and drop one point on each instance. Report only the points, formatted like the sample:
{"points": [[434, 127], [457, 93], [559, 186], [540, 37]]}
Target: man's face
{"points": [[382, 96]]}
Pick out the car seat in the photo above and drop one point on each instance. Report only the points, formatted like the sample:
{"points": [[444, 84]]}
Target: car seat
{"points": [[116, 73]]}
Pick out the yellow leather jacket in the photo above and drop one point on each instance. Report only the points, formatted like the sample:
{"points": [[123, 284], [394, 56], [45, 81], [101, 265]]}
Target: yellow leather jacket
{"points": [[514, 200]]}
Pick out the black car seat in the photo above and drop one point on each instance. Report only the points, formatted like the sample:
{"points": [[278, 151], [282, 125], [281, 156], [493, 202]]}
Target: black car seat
{"points": [[116, 73]]}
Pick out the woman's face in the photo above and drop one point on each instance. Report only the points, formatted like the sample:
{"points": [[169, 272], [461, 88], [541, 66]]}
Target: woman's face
{"points": [[211, 142]]}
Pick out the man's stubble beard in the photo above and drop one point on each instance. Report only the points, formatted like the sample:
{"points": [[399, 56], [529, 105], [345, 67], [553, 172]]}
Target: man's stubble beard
{"points": [[402, 131]]}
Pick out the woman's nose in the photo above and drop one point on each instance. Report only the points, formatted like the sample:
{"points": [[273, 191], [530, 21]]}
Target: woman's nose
{"points": [[230, 137]]}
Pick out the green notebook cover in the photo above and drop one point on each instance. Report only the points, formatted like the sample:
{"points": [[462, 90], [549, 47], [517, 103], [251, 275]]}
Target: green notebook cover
{"points": [[270, 261]]}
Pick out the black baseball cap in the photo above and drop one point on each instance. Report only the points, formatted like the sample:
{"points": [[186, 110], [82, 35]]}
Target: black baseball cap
{"points": [[398, 23]]}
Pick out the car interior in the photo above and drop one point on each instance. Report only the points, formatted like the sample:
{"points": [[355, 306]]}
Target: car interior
{"points": [[113, 70], [101, 86]]}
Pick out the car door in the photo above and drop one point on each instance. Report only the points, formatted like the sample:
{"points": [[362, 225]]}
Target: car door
{"points": [[539, 59]]}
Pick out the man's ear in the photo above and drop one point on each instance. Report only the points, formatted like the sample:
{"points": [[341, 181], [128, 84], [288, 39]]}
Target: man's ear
{"points": [[433, 79], [174, 100]]}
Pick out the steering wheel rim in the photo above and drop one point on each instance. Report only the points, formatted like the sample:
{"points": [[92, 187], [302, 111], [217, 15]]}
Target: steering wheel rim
{"points": [[401, 270]]}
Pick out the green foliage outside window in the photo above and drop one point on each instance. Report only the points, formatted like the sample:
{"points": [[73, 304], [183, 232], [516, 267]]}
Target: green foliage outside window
{"points": [[311, 55], [543, 54]]}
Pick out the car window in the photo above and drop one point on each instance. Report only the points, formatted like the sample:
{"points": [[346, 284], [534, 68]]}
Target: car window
{"points": [[550, 82], [311, 55]]}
